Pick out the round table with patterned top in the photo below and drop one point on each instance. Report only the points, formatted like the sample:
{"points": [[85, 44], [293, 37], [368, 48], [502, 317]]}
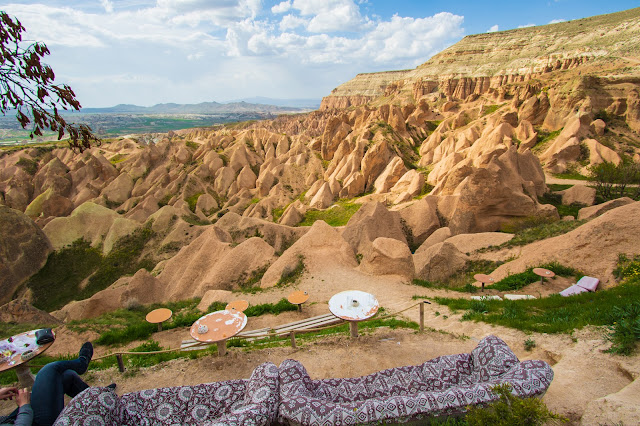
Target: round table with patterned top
{"points": [[353, 306], [16, 352], [217, 327]]}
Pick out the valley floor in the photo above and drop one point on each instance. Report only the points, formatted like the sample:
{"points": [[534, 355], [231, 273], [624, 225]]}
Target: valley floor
{"points": [[583, 373]]}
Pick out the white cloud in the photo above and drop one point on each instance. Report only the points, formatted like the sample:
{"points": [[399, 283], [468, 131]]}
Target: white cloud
{"points": [[282, 7], [557, 21], [108, 5], [290, 22], [152, 51], [493, 29], [330, 15], [526, 25]]}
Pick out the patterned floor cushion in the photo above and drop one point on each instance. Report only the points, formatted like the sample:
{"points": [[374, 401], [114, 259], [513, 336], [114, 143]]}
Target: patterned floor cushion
{"points": [[439, 387], [234, 402]]}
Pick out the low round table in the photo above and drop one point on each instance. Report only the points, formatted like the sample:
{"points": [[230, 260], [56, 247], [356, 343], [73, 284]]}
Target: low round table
{"points": [[484, 279], [543, 273], [353, 306], [217, 327], [298, 298], [159, 316], [237, 305], [11, 355]]}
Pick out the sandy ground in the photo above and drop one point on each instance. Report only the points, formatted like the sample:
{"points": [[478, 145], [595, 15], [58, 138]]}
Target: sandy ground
{"points": [[583, 372]]}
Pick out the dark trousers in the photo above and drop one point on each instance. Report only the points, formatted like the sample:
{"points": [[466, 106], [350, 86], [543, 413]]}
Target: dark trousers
{"points": [[52, 382]]}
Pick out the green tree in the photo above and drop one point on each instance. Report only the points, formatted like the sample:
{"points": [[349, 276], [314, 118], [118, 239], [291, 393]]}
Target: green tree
{"points": [[612, 181], [27, 87]]}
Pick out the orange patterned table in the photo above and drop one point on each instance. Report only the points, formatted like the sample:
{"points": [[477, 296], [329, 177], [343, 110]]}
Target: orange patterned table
{"points": [[217, 327]]}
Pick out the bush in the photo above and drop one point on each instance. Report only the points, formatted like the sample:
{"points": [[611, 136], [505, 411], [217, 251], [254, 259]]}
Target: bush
{"points": [[509, 410], [625, 329], [611, 181]]}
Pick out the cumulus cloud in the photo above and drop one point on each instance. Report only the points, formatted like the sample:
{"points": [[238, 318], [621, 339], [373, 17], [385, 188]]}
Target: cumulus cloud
{"points": [[557, 21], [329, 15], [493, 29], [526, 25], [281, 7], [322, 42], [290, 22]]}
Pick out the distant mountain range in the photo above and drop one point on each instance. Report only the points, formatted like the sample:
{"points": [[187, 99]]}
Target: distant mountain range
{"points": [[254, 105]]}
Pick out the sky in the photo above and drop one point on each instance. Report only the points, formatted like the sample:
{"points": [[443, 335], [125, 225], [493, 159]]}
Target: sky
{"points": [[146, 52]]}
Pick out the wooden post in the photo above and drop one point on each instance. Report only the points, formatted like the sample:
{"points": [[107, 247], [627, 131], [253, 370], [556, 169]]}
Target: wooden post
{"points": [[292, 335], [353, 328], [159, 326], [120, 363], [222, 347], [421, 317]]}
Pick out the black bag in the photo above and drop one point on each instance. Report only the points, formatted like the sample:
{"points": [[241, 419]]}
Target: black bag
{"points": [[44, 336]]}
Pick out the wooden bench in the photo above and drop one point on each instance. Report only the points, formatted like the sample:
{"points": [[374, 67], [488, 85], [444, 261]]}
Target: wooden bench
{"points": [[261, 333]]}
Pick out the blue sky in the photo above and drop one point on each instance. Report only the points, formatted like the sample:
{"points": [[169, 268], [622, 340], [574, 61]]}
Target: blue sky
{"points": [[187, 51]]}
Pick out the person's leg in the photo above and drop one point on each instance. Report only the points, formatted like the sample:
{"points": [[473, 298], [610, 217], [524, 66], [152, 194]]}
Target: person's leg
{"points": [[47, 395], [72, 383]]}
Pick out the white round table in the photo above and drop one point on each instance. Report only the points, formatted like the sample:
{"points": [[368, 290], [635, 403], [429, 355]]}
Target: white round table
{"points": [[353, 306]]}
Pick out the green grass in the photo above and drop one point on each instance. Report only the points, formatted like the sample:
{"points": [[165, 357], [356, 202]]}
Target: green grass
{"points": [[28, 165], [557, 314], [118, 158], [58, 282], [541, 232], [283, 305], [522, 279], [334, 216], [193, 200], [490, 109]]}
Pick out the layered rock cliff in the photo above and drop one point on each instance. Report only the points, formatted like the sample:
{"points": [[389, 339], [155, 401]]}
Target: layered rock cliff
{"points": [[479, 63]]}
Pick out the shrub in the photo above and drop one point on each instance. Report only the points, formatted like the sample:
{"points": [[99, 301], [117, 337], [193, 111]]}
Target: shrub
{"points": [[509, 410], [625, 329], [529, 344]]}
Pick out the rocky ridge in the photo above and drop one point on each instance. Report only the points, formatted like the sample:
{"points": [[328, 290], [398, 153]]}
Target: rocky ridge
{"points": [[483, 63]]}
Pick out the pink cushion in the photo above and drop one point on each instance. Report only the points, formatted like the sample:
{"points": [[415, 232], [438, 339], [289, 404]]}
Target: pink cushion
{"points": [[574, 289], [588, 283]]}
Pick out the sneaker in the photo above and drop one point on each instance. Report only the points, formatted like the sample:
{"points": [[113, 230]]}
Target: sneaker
{"points": [[85, 354], [112, 386]]}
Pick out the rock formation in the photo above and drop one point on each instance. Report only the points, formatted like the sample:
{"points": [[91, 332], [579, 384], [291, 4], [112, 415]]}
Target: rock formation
{"points": [[23, 250]]}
